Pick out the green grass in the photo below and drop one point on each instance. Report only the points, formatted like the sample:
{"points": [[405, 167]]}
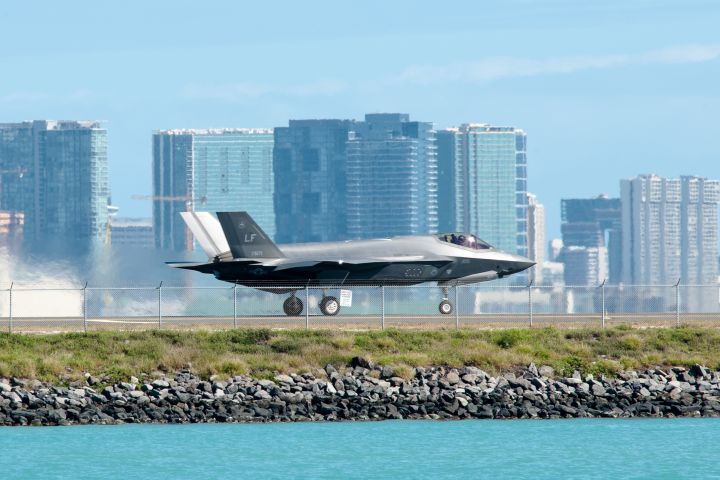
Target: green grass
{"points": [[262, 352]]}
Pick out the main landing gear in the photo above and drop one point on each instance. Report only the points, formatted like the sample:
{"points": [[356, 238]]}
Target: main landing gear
{"points": [[445, 307], [329, 306], [293, 306]]}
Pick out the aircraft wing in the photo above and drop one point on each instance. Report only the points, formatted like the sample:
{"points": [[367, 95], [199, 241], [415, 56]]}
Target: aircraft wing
{"points": [[374, 261]]}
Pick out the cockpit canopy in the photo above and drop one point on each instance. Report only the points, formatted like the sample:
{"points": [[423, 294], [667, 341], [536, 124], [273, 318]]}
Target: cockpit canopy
{"points": [[465, 240]]}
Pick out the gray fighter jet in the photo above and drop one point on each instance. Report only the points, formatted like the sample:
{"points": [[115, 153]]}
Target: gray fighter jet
{"points": [[240, 252]]}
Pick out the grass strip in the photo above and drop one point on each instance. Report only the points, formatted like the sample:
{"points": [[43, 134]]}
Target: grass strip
{"points": [[262, 352]]}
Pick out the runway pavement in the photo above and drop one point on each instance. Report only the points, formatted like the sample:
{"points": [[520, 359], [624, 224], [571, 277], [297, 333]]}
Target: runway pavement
{"points": [[352, 322]]}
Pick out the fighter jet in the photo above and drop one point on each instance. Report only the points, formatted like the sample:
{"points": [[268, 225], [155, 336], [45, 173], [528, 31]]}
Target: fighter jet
{"points": [[240, 252]]}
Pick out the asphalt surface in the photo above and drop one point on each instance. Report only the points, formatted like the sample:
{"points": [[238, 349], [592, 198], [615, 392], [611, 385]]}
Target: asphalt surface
{"points": [[353, 322]]}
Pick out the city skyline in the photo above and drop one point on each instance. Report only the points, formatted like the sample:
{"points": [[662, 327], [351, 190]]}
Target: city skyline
{"points": [[607, 89]]}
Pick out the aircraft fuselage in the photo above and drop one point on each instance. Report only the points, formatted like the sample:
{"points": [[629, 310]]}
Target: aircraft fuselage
{"points": [[397, 260]]}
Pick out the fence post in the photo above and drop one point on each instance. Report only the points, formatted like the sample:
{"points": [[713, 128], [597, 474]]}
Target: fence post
{"points": [[307, 307], [10, 312], [602, 289], [159, 289], [457, 309], [382, 307], [235, 305], [84, 306], [677, 303], [530, 308]]}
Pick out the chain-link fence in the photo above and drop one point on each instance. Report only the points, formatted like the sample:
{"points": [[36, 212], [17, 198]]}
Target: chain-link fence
{"points": [[28, 308]]}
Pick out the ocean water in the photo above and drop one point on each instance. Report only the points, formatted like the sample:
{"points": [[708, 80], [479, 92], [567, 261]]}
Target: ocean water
{"points": [[557, 449]]}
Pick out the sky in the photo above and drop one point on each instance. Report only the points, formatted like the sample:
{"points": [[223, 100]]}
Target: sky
{"points": [[604, 89]]}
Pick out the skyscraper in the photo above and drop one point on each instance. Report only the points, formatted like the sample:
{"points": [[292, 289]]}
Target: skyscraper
{"points": [[536, 237], [391, 177], [309, 164], [669, 230], [448, 153], [210, 170], [586, 222], [584, 265], [55, 172], [489, 183]]}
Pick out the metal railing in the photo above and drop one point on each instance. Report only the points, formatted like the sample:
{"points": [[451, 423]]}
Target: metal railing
{"points": [[33, 308]]}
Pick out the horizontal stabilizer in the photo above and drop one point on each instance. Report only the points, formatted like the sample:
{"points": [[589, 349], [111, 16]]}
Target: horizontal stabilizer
{"points": [[207, 231]]}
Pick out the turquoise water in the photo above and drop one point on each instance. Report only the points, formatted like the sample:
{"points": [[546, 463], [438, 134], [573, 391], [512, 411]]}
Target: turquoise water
{"points": [[598, 448]]}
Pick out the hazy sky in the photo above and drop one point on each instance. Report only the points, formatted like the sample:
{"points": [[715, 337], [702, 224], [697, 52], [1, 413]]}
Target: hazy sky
{"points": [[605, 89]]}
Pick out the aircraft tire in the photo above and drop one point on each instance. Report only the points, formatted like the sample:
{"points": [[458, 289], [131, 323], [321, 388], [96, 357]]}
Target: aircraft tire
{"points": [[292, 306], [329, 306], [445, 307]]}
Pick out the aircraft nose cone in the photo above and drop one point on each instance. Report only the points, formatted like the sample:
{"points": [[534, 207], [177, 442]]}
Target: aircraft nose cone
{"points": [[522, 263]]}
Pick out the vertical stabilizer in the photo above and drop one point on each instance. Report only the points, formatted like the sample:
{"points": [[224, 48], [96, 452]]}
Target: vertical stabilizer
{"points": [[207, 231], [246, 238]]}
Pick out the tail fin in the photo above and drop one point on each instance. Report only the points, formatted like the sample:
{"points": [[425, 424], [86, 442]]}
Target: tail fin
{"points": [[246, 238], [208, 232]]}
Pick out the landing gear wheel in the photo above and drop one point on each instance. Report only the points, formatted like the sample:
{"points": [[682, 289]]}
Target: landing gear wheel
{"points": [[329, 306], [293, 306], [445, 307]]}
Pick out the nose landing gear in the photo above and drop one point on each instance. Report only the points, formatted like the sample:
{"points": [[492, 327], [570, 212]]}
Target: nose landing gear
{"points": [[445, 307]]}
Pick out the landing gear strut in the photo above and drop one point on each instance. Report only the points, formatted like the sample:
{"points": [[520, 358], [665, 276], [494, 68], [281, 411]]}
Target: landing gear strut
{"points": [[292, 306], [445, 306]]}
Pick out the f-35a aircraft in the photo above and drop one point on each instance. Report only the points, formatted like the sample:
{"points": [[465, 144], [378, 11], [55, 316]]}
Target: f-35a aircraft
{"points": [[240, 252]]}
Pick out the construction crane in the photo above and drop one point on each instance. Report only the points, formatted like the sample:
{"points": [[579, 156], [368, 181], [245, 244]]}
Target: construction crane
{"points": [[160, 198]]}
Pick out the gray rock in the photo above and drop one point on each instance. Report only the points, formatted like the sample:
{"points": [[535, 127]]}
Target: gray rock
{"points": [[362, 362], [520, 382], [286, 379], [598, 390], [452, 378]]}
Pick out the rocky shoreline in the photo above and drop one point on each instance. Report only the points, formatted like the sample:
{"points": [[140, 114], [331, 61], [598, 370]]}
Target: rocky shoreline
{"points": [[364, 391]]}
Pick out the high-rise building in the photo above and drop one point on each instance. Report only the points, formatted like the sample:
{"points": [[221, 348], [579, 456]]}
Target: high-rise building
{"points": [[592, 223], [448, 153], [489, 182], [536, 237], [55, 172], [391, 177], [309, 164], [584, 265], [211, 170], [11, 229], [669, 230], [132, 232], [699, 230]]}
